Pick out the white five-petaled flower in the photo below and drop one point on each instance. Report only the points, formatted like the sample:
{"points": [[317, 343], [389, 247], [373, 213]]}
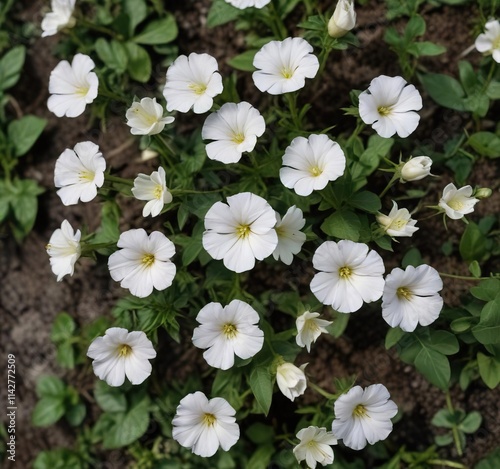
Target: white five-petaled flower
{"points": [[411, 297], [389, 106], [315, 446], [350, 274], [143, 262], [310, 163], [457, 202], [72, 87], [283, 66], [398, 222], [121, 353], [226, 332], [291, 380], [79, 172], [240, 231], [290, 238], [363, 415], [343, 19], [416, 168], [60, 17], [192, 82], [489, 41], [203, 425], [146, 117], [152, 188], [242, 4], [234, 129], [309, 328], [64, 250]]}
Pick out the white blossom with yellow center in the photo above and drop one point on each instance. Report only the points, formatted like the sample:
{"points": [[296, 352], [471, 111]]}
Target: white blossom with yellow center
{"points": [[363, 416], [457, 202], [309, 328], [234, 129], [310, 163], [226, 332], [398, 222], [242, 4], [240, 231], [411, 297], [152, 188], [64, 250], [146, 117], [290, 238], [143, 262], [59, 18], [315, 446], [489, 41], [79, 172], [119, 354]]}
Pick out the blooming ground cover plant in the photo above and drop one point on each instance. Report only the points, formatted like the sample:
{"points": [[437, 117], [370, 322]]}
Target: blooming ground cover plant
{"points": [[263, 233]]}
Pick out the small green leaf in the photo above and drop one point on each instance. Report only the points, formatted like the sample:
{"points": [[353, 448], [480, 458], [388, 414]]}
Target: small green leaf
{"points": [[471, 422], [75, 414], [414, 28], [139, 63], [48, 410], [443, 418], [393, 336], [412, 257], [113, 54], [243, 61], [158, 32], [220, 13], [260, 433], [488, 330], [444, 89], [426, 48], [262, 387], [443, 342], [367, 201], [50, 386], [487, 290], [63, 328], [473, 245], [342, 224], [485, 143], [11, 65], [24, 132], [261, 457], [65, 355], [475, 269], [434, 366], [110, 399], [137, 11]]}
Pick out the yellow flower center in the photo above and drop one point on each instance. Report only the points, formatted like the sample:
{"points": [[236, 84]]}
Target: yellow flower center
{"points": [[456, 204], [315, 171], [158, 192], [311, 325], [148, 259], [345, 272], [86, 175], [495, 44], [124, 350], [384, 110], [148, 119], [82, 90], [209, 419], [198, 88], [229, 330], [405, 293], [238, 137], [243, 231], [286, 72], [398, 224], [359, 411]]}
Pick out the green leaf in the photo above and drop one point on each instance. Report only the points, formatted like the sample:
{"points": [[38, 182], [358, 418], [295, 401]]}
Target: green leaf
{"points": [[24, 203], [113, 54], [393, 336], [24, 132], [58, 459], [158, 32], [261, 458], [444, 89], [414, 28], [488, 330], [262, 387], [11, 65], [412, 257], [493, 90], [137, 11], [434, 366], [426, 48], [443, 418], [487, 290], [492, 461], [444, 440], [139, 63], [471, 422], [473, 244], [260, 433], [443, 342], [468, 77], [63, 328], [342, 224], [220, 13], [65, 355], [48, 410], [75, 414], [367, 201], [109, 231], [485, 144], [50, 386], [475, 269], [110, 399], [243, 61]]}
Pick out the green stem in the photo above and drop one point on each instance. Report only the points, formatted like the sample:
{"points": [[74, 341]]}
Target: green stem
{"points": [[490, 75], [444, 462], [360, 125], [465, 277], [291, 99], [454, 429], [279, 28], [188, 191], [118, 180], [87, 248], [167, 149], [321, 391], [109, 94], [100, 29], [394, 178]]}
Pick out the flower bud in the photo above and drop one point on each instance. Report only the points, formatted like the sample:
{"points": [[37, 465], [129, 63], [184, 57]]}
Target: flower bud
{"points": [[291, 380], [343, 19], [416, 168], [483, 193]]}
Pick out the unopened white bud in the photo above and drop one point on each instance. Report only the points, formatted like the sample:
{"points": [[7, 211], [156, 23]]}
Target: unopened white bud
{"points": [[343, 19], [416, 168]]}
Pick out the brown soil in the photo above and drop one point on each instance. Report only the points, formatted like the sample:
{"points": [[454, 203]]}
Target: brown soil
{"points": [[31, 297]]}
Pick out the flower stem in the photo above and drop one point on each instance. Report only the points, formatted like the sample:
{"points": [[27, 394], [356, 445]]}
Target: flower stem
{"points": [[321, 391], [100, 29], [277, 25], [465, 277], [118, 180], [444, 462], [292, 105], [454, 429], [167, 149], [394, 178]]}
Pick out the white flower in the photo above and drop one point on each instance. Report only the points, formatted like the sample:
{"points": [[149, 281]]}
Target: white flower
{"points": [[309, 328], [389, 105], [79, 172], [309, 164], [290, 238], [234, 129], [343, 19], [314, 446], [411, 297], [226, 332], [350, 275], [489, 41], [72, 87], [291, 380], [203, 425], [59, 18], [143, 262], [64, 250], [283, 66], [122, 353], [363, 416], [398, 222], [416, 168], [457, 202], [146, 117], [242, 4], [240, 231], [152, 188], [192, 82]]}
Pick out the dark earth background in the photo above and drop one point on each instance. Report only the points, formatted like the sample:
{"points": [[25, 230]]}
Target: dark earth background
{"points": [[30, 297]]}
